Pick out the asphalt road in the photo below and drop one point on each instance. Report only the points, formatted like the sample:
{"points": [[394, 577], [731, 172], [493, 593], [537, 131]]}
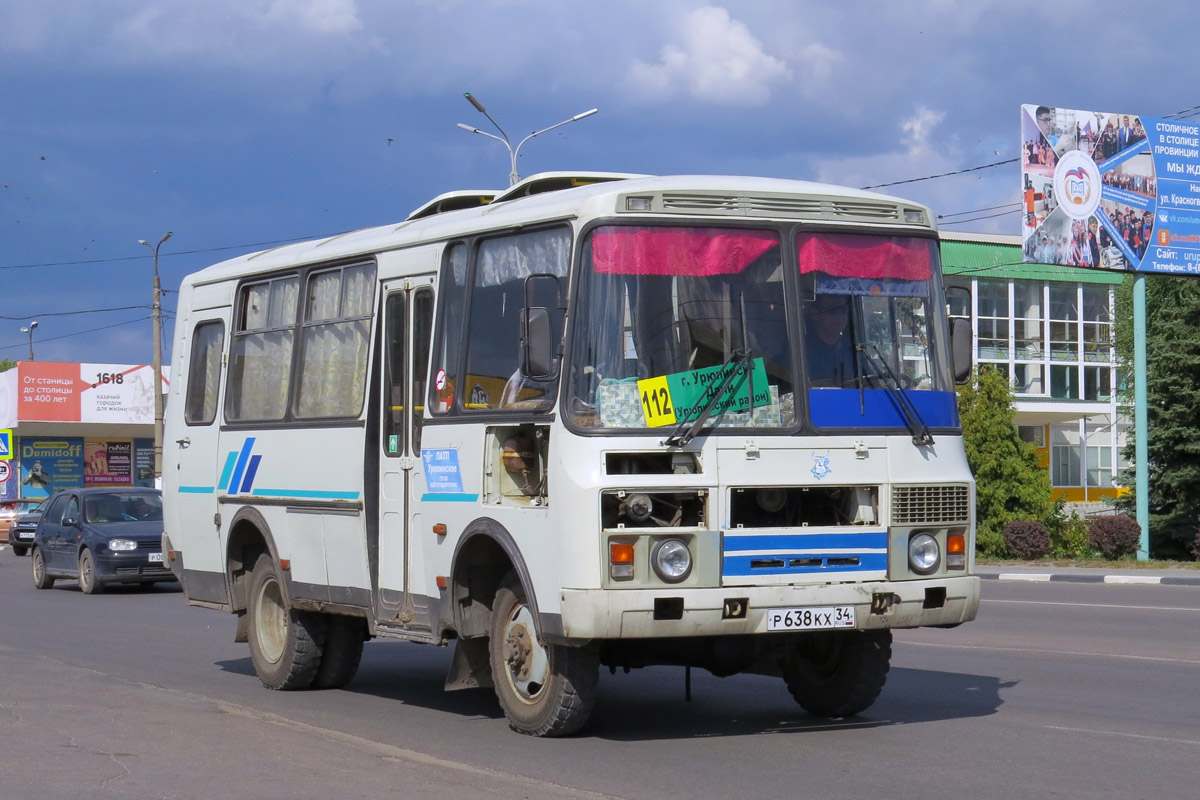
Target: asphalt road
{"points": [[1058, 690]]}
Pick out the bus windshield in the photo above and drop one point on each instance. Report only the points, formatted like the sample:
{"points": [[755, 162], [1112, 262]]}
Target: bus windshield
{"points": [[711, 326]]}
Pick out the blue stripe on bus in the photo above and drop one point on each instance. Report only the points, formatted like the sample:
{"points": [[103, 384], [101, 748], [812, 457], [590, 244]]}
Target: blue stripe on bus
{"points": [[240, 466], [306, 494], [841, 408], [196, 490], [223, 484], [250, 473], [740, 566], [448, 497], [875, 540]]}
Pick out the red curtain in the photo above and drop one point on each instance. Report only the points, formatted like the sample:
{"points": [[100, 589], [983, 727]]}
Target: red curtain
{"points": [[848, 255], [677, 251]]}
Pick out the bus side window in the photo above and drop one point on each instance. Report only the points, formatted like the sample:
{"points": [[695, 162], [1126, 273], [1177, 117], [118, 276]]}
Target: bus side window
{"points": [[204, 373], [422, 331], [393, 418]]}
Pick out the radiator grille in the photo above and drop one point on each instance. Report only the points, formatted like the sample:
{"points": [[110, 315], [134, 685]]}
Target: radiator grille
{"points": [[930, 505], [779, 206]]}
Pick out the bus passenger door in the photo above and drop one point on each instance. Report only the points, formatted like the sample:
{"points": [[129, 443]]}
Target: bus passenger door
{"points": [[407, 325]]}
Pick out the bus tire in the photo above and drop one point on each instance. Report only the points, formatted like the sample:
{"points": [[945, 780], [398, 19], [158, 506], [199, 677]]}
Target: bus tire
{"points": [[285, 644], [41, 578], [837, 673], [544, 690], [344, 638]]}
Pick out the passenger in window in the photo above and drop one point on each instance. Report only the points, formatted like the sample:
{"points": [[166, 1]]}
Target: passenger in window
{"points": [[829, 345]]}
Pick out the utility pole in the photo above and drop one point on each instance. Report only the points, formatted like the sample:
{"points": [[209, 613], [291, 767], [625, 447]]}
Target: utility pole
{"points": [[157, 317]]}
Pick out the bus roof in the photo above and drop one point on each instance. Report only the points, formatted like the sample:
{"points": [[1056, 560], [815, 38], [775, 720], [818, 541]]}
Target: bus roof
{"points": [[560, 196]]}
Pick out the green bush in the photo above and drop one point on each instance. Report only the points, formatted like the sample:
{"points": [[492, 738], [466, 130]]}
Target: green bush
{"points": [[1027, 539], [990, 544], [1115, 536], [1069, 537]]}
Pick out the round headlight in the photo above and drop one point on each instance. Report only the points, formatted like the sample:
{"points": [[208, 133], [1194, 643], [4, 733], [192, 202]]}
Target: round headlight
{"points": [[122, 545], [924, 555], [672, 560]]}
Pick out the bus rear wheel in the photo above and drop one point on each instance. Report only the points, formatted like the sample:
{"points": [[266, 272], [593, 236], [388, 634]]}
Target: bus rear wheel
{"points": [[544, 690], [342, 653], [285, 644], [838, 673]]}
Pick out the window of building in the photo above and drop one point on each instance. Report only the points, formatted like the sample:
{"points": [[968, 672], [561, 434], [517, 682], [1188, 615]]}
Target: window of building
{"points": [[1099, 467], [1034, 434], [1064, 465]]}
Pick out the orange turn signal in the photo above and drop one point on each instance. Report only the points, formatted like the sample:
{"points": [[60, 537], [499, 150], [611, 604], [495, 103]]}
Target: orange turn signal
{"points": [[440, 529], [620, 553], [956, 543]]}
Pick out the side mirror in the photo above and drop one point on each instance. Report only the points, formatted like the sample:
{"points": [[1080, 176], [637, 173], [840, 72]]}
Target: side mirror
{"points": [[537, 350], [960, 349], [71, 522]]}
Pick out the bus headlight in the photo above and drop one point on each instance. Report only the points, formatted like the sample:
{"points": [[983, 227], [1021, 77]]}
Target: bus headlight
{"points": [[924, 555], [672, 560]]}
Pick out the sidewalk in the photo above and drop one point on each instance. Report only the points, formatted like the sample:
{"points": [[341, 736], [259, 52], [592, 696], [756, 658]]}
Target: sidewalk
{"points": [[1168, 576]]}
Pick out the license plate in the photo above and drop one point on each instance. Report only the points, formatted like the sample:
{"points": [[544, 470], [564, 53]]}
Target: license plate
{"points": [[808, 619], [156, 558]]}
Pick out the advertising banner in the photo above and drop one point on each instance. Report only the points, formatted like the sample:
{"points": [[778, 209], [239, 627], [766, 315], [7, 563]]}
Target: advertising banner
{"points": [[143, 462], [49, 391], [48, 465], [107, 462], [1111, 191]]}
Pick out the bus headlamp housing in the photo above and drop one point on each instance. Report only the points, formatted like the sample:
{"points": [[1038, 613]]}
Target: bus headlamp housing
{"points": [[924, 553], [671, 560]]}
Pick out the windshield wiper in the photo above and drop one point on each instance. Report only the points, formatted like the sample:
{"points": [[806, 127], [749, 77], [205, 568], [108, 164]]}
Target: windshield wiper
{"points": [[912, 418], [738, 358]]}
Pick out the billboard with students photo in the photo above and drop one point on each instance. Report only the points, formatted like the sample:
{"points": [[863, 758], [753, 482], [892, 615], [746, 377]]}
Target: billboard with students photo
{"points": [[1110, 191]]}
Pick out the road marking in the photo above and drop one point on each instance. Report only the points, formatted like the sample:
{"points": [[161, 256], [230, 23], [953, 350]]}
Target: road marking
{"points": [[1035, 577], [1091, 605], [1121, 656], [1128, 735]]}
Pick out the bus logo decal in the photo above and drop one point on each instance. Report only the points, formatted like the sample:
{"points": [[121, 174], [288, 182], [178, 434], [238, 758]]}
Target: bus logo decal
{"points": [[240, 469], [820, 467]]}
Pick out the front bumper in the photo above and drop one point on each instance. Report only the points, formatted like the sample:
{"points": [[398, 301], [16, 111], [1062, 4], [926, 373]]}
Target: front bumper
{"points": [[132, 567], [608, 614]]}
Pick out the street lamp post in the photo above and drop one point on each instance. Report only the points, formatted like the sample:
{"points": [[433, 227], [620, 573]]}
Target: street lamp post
{"points": [[29, 330], [157, 317], [513, 177]]}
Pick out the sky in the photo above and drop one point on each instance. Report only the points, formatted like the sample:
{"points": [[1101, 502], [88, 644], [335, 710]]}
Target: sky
{"points": [[241, 124]]}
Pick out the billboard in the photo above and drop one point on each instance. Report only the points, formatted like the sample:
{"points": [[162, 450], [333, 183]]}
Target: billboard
{"points": [[1111, 191], [48, 391]]}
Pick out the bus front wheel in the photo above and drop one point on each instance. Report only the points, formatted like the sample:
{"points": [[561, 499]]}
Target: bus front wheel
{"points": [[285, 644], [544, 690], [837, 673]]}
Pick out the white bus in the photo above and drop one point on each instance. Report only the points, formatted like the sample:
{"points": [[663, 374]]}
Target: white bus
{"points": [[594, 420]]}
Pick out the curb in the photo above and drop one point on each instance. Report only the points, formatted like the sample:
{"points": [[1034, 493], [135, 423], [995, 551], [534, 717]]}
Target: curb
{"points": [[1128, 580]]}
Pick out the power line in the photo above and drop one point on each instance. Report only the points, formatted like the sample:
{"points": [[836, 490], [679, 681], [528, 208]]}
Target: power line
{"points": [[77, 333], [945, 174], [72, 313], [986, 216], [977, 210], [169, 255]]}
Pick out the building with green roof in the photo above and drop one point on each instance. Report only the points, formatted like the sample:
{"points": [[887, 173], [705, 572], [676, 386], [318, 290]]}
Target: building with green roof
{"points": [[1049, 328]]}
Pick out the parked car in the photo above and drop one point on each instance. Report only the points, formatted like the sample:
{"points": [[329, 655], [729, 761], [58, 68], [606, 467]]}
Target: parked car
{"points": [[20, 534], [100, 536]]}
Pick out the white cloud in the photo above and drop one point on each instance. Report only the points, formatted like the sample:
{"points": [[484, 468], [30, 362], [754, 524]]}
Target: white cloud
{"points": [[331, 17], [717, 61]]}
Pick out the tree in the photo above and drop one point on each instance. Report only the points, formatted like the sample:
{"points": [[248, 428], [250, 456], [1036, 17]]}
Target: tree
{"points": [[6, 365], [1009, 484], [1172, 408]]}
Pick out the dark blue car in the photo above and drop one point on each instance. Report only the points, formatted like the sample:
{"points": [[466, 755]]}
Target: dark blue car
{"points": [[99, 536]]}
